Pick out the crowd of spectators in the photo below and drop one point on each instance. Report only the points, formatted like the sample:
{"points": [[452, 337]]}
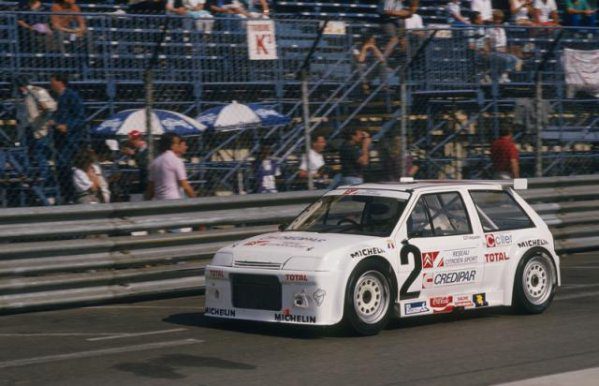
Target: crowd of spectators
{"points": [[62, 113]]}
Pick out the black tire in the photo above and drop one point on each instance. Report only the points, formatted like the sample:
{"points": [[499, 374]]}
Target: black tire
{"points": [[369, 298], [535, 283]]}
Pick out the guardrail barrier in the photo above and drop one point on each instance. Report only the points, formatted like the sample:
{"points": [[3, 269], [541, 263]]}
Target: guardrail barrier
{"points": [[88, 254]]}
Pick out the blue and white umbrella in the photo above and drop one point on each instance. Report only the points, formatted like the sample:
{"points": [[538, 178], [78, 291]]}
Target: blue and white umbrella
{"points": [[235, 115], [163, 121]]}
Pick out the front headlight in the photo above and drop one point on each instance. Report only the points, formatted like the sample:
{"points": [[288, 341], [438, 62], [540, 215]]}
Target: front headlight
{"points": [[302, 264], [223, 259]]}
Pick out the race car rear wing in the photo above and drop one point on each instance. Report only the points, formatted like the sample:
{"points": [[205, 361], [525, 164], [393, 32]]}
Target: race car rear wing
{"points": [[516, 183]]}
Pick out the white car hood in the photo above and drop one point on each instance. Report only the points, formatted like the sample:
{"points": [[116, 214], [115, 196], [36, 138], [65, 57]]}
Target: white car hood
{"points": [[276, 248]]}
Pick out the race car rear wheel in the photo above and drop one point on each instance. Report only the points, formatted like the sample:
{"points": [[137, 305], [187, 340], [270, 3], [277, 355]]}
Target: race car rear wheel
{"points": [[535, 283], [368, 301]]}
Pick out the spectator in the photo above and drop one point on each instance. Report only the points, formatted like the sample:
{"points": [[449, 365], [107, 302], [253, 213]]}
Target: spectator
{"points": [[391, 160], [69, 130], [137, 149], [34, 113], [354, 156], [88, 181], [266, 171], [546, 12], [67, 23], [202, 17], [38, 35], [485, 8], [581, 14], [146, 6], [414, 22], [504, 155], [393, 15], [455, 17], [167, 174], [236, 7], [369, 47], [315, 160], [521, 11], [498, 54], [478, 43]]}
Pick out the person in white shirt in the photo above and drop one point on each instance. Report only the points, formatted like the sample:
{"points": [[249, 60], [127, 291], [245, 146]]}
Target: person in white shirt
{"points": [[316, 160], [546, 12], [33, 115], [454, 16], [485, 8], [521, 11], [89, 183], [167, 174]]}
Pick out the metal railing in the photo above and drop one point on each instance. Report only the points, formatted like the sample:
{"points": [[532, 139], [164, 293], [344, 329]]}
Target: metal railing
{"points": [[68, 256]]}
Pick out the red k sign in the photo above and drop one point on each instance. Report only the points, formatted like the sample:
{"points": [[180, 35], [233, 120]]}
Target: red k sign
{"points": [[262, 43]]}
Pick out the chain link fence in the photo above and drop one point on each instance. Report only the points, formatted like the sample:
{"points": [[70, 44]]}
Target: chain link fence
{"points": [[444, 94]]}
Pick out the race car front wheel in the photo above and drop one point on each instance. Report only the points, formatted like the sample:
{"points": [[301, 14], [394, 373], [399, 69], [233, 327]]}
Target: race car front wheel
{"points": [[535, 283], [368, 298]]}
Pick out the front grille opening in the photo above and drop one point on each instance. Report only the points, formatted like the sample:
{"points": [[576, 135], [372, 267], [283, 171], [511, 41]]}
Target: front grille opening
{"points": [[257, 292]]}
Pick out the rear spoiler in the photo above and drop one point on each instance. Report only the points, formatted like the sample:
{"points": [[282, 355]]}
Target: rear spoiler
{"points": [[516, 183]]}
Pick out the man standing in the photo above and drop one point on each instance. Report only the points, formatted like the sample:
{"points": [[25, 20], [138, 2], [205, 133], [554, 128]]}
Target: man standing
{"points": [[34, 114], [69, 130], [505, 157], [167, 172], [137, 149], [354, 155], [393, 15], [315, 159]]}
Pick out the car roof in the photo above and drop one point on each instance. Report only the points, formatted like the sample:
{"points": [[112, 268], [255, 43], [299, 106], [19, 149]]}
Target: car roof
{"points": [[431, 185]]}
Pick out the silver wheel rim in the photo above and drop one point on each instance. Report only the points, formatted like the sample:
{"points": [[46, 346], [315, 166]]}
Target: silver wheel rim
{"points": [[371, 297], [538, 280]]}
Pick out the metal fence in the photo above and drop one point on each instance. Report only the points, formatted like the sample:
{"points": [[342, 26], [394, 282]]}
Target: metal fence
{"points": [[66, 256], [453, 102]]}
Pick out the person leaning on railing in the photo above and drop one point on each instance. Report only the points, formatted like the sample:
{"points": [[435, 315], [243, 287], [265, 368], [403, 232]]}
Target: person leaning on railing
{"points": [[39, 35], [581, 14]]}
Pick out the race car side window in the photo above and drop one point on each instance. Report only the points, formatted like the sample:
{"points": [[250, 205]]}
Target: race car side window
{"points": [[442, 214], [419, 224], [498, 211]]}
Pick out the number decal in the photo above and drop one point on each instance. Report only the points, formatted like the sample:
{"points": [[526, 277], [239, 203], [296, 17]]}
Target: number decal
{"points": [[403, 255]]}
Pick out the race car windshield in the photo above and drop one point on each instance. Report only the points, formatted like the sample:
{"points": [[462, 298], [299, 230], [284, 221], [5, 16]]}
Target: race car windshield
{"points": [[351, 214]]}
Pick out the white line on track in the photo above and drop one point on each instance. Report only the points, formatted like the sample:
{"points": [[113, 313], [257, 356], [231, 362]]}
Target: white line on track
{"points": [[191, 307], [587, 377], [96, 353], [134, 334]]}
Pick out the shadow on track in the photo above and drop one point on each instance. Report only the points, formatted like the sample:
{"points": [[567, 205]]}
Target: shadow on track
{"points": [[166, 366], [197, 319]]}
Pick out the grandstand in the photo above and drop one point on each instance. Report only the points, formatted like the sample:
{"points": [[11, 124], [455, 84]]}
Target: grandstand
{"points": [[452, 115]]}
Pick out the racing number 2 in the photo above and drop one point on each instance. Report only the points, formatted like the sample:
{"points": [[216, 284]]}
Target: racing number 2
{"points": [[406, 250]]}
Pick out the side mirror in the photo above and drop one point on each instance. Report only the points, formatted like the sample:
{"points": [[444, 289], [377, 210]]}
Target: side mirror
{"points": [[283, 226]]}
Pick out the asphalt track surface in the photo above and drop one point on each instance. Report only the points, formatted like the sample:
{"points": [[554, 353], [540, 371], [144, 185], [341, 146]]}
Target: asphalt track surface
{"points": [[169, 342]]}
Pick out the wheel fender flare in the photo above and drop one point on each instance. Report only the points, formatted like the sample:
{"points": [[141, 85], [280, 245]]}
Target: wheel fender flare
{"points": [[514, 264]]}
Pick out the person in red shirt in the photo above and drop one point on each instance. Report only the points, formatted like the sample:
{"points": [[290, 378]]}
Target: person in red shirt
{"points": [[504, 155]]}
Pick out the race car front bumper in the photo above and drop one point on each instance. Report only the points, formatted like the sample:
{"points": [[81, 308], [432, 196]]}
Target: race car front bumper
{"points": [[277, 296]]}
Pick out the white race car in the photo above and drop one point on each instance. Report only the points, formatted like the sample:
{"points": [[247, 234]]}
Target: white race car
{"points": [[362, 254]]}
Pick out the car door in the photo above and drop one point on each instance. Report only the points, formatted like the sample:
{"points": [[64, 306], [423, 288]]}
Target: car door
{"points": [[441, 236]]}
